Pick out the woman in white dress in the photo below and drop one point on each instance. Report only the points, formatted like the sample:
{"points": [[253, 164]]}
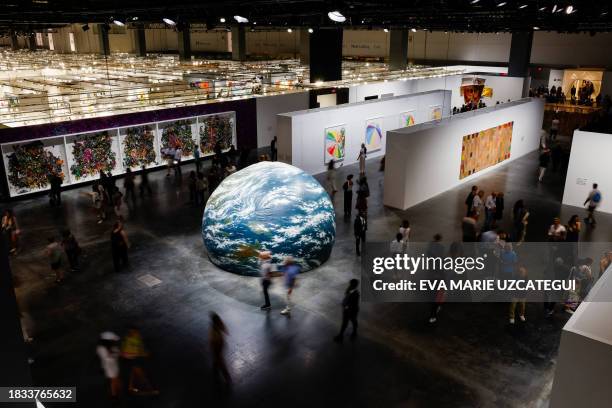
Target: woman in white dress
{"points": [[362, 157]]}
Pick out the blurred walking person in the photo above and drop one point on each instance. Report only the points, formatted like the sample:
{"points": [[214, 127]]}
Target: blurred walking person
{"points": [[266, 271], [54, 254], [216, 341], [10, 229], [72, 249], [108, 351], [119, 246], [330, 178], [594, 199], [360, 226], [350, 310], [128, 185], [291, 271], [144, 183], [347, 187], [362, 158]]}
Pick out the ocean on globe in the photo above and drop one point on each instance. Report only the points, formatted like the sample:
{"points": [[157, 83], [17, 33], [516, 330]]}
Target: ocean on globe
{"points": [[269, 206]]}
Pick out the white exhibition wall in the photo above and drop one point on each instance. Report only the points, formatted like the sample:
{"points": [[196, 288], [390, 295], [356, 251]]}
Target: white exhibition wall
{"points": [[424, 160], [589, 163], [582, 374], [301, 134], [269, 106], [504, 87]]}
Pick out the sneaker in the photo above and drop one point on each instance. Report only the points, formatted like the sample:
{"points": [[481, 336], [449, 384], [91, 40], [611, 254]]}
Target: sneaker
{"points": [[286, 311], [266, 307], [433, 320], [511, 321], [522, 318]]}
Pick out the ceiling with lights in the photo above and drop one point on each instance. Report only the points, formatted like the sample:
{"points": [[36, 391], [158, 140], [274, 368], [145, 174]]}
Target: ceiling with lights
{"points": [[25, 16]]}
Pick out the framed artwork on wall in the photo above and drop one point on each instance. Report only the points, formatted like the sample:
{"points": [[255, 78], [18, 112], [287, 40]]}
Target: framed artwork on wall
{"points": [[91, 153], [485, 148], [334, 143], [373, 137], [216, 130], [138, 146], [435, 112], [177, 134], [407, 118]]}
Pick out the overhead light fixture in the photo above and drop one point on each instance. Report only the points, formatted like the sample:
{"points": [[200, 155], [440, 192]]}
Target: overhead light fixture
{"points": [[289, 30], [536, 28], [522, 6], [386, 30], [336, 16], [554, 9], [222, 20], [169, 21], [604, 13], [240, 19], [310, 30], [569, 9], [474, 1], [413, 30], [119, 23], [542, 8], [501, 4], [85, 27]]}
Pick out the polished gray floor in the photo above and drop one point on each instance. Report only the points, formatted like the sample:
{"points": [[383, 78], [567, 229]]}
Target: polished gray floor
{"points": [[470, 358]]}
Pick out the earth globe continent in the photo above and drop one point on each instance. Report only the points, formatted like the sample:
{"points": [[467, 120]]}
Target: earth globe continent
{"points": [[268, 206]]}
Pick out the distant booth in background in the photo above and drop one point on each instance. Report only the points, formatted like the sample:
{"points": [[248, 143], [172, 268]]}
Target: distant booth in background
{"points": [[571, 117]]}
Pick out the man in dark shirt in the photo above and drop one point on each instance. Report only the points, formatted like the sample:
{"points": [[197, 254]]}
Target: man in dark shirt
{"points": [[350, 310], [470, 199], [360, 226]]}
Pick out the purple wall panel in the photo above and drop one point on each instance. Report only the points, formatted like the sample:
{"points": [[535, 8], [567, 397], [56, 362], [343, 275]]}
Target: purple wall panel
{"points": [[246, 122]]}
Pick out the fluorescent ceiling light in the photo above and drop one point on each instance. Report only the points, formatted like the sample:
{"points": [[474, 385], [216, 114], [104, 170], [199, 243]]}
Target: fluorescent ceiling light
{"points": [[542, 8], [536, 28], [119, 23], [569, 9], [289, 30], [386, 30], [168, 21], [241, 19], [310, 30], [413, 30], [554, 9], [474, 1], [503, 3], [523, 6], [222, 20], [336, 16]]}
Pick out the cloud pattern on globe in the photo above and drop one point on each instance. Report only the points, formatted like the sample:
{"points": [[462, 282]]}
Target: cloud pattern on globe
{"points": [[269, 206]]}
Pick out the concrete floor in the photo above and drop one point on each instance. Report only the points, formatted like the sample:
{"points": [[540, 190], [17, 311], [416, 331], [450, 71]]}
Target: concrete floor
{"points": [[471, 358]]}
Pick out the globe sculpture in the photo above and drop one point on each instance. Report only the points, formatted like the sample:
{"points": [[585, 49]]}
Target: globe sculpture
{"points": [[268, 206]]}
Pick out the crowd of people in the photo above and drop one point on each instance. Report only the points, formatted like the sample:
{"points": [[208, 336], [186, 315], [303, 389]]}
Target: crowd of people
{"points": [[583, 95]]}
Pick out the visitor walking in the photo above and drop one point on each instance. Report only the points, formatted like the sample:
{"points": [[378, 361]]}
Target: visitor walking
{"points": [[119, 246], [108, 351], [55, 195], [128, 185], [557, 232], [478, 204], [330, 178], [192, 187], [360, 226], [554, 128], [518, 300], [216, 341], [291, 271], [499, 208], [347, 187], [397, 246], [266, 271], [144, 183], [489, 211], [404, 229], [201, 189], [469, 201], [54, 254], [135, 355], [350, 310], [436, 250], [520, 220], [178, 157], [362, 158], [363, 192], [196, 156], [273, 149], [11, 231], [468, 227], [72, 249], [593, 200], [543, 160]]}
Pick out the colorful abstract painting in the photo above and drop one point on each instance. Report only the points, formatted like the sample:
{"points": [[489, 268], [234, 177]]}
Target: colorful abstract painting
{"points": [[435, 112], [407, 118], [373, 134], [216, 130], [485, 148], [335, 139], [139, 147]]}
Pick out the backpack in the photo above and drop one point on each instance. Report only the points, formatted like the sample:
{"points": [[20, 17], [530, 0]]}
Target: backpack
{"points": [[596, 197]]}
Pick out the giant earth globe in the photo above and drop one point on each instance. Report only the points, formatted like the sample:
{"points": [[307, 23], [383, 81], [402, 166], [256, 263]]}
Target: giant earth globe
{"points": [[268, 206]]}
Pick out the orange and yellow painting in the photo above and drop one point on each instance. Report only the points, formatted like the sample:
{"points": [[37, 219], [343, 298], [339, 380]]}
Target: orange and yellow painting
{"points": [[485, 148]]}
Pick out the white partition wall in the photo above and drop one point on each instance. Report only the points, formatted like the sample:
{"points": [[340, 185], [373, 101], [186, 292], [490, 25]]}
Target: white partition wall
{"points": [[270, 106], [425, 160], [589, 163], [302, 135], [583, 372]]}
